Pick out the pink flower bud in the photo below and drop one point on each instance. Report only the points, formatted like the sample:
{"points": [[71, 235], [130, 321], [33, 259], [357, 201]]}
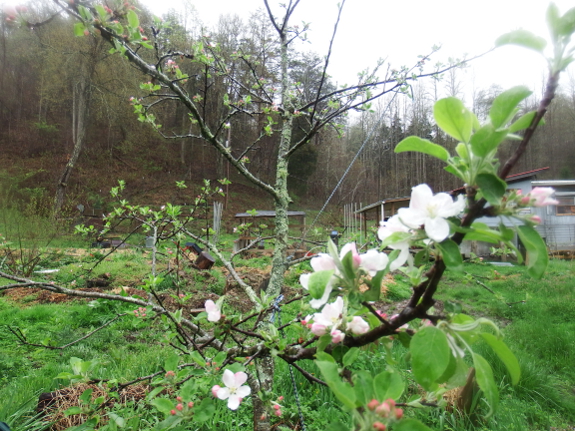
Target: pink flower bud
{"points": [[277, 406], [536, 219], [172, 412], [383, 410], [372, 405], [542, 196], [278, 413], [378, 426], [179, 399], [337, 336], [398, 413], [215, 390], [281, 398], [390, 401], [180, 407], [191, 404]]}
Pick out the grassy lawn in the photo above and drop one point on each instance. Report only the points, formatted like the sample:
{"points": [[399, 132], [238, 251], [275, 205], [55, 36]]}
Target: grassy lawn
{"points": [[536, 317]]}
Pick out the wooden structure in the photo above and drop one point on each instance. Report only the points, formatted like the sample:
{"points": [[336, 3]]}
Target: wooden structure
{"points": [[296, 219], [558, 222], [372, 214]]}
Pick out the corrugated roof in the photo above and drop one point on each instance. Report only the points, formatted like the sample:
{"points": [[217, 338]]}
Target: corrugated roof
{"points": [[514, 177]]}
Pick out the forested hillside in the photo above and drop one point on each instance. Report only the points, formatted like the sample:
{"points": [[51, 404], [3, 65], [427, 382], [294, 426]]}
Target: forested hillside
{"points": [[68, 131]]}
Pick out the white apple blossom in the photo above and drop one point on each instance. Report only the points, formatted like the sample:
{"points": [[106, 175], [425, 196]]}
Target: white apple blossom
{"points": [[317, 303], [329, 318], [542, 196], [214, 313], [358, 326], [372, 261], [429, 210], [388, 228], [234, 391]]}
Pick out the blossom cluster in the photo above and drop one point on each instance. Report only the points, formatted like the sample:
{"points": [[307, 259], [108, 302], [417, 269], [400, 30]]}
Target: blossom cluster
{"points": [[331, 319], [371, 262], [385, 410], [425, 210]]}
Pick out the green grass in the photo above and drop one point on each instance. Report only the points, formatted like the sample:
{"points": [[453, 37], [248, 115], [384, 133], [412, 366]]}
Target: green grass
{"points": [[535, 316]]}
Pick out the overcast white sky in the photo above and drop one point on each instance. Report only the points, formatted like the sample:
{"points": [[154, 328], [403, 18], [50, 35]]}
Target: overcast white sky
{"points": [[402, 29]]}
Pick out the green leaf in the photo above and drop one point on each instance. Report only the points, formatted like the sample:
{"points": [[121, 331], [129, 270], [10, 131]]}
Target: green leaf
{"points": [[566, 25], [453, 118], [343, 391], [522, 122], [504, 106], [482, 232], [79, 29], [73, 411], [197, 358], [318, 282], [374, 291], [492, 187], [537, 258], [118, 420], [323, 342], [171, 363], [388, 385], [507, 234], [486, 382], [350, 357], [410, 425], [188, 390], [451, 254], [462, 151], [522, 38], [395, 238], [429, 356], [205, 410], [486, 140], [324, 357], [414, 143], [163, 405], [459, 377], [86, 396], [133, 20], [553, 20], [220, 358], [362, 386], [506, 356]]}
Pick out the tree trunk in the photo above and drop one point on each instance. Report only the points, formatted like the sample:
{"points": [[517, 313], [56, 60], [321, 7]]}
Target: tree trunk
{"points": [[81, 102]]}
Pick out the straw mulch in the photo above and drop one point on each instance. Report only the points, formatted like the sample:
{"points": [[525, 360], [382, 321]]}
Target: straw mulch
{"points": [[54, 404]]}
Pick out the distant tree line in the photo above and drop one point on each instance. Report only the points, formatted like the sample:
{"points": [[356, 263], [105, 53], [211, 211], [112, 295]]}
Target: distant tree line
{"points": [[67, 96]]}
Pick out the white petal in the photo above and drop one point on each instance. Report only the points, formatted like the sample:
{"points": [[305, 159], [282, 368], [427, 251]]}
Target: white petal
{"points": [[241, 378], [437, 228], [223, 393], [317, 303], [411, 217], [420, 197], [400, 259], [350, 246], [304, 280], [229, 379], [373, 261], [210, 306], [244, 391], [233, 402], [448, 208], [322, 262]]}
